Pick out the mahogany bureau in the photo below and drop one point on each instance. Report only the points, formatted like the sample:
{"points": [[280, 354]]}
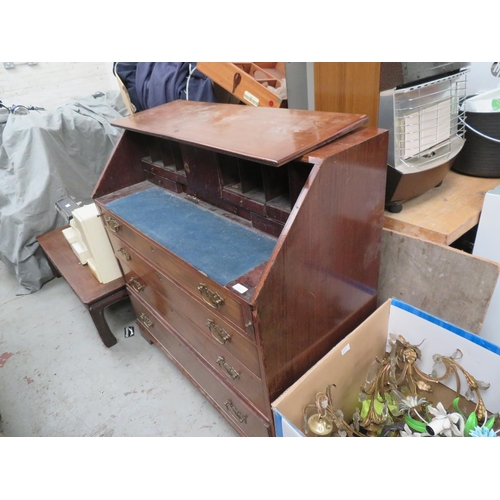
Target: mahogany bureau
{"points": [[249, 239]]}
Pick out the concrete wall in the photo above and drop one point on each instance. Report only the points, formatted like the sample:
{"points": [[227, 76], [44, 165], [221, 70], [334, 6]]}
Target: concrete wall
{"points": [[53, 84]]}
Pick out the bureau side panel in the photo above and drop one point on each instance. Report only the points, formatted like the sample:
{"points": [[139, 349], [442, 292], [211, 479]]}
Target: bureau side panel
{"points": [[323, 277], [124, 167]]}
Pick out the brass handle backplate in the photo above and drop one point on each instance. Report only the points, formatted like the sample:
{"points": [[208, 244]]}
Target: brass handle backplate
{"points": [[231, 372], [218, 333], [212, 298], [136, 285], [113, 225], [145, 320], [124, 253], [230, 406]]}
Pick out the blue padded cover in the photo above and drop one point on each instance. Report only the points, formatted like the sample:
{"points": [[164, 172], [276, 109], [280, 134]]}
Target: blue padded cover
{"points": [[220, 247]]}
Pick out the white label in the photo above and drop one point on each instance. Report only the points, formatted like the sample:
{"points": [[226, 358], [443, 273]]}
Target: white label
{"points": [[250, 98], [240, 288], [67, 205], [345, 349]]}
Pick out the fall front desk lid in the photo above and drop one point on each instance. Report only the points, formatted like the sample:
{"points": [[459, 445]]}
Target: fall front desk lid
{"points": [[267, 135]]}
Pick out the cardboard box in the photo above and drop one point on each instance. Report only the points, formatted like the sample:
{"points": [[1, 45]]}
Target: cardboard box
{"points": [[347, 364]]}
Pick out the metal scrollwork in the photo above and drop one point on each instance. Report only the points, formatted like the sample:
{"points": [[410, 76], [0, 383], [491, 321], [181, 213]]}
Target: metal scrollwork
{"points": [[136, 285], [218, 333], [231, 372], [113, 225], [212, 298], [124, 253], [230, 406], [145, 320]]}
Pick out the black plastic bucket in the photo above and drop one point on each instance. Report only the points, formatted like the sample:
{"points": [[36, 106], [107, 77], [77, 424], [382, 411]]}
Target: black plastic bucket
{"points": [[480, 155]]}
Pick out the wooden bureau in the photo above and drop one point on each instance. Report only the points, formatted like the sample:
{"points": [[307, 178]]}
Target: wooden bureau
{"points": [[249, 239]]}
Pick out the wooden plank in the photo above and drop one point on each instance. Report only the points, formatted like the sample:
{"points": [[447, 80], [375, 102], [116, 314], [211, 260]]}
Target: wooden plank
{"points": [[243, 131], [448, 283], [444, 213]]}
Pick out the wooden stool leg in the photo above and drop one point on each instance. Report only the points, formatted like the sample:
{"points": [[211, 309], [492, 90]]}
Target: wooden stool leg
{"points": [[96, 311]]}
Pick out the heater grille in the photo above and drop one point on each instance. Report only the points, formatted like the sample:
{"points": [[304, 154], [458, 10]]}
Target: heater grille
{"points": [[427, 130]]}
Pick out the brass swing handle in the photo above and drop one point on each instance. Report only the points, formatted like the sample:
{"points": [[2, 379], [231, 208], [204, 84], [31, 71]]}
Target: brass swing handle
{"points": [[218, 333], [145, 320], [230, 407], [231, 372], [113, 225], [124, 253], [136, 285], [212, 298]]}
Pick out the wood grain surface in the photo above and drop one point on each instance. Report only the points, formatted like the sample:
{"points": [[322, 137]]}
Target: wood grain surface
{"points": [[271, 136], [444, 213], [448, 283], [322, 277], [348, 88], [326, 202]]}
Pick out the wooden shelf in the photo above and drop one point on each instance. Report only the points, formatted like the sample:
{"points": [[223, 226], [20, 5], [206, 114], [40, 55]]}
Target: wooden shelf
{"points": [[444, 213]]}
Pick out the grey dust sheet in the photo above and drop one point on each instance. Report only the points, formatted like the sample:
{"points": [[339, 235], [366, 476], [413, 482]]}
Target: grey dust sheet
{"points": [[45, 156]]}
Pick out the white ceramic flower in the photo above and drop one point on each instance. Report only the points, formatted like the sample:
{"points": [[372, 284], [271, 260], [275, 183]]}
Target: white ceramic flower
{"points": [[444, 423], [410, 402], [407, 432]]}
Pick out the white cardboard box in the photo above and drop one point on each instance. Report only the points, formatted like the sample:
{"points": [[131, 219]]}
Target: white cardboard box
{"points": [[346, 365]]}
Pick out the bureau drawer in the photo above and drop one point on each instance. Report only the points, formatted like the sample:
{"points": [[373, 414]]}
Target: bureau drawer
{"points": [[229, 368], [145, 279], [216, 296], [245, 419]]}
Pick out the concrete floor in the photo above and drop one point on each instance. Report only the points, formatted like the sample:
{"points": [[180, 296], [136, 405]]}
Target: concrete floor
{"points": [[58, 379]]}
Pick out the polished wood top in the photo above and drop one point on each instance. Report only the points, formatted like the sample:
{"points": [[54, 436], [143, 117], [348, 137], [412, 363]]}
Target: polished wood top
{"points": [[268, 135]]}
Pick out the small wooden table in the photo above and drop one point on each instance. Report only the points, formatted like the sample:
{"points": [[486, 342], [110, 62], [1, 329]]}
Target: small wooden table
{"points": [[95, 295], [444, 213]]}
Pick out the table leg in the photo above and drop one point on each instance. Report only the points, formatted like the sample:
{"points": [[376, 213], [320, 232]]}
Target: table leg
{"points": [[97, 313]]}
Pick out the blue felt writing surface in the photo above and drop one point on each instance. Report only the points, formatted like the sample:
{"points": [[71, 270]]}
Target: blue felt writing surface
{"points": [[220, 247]]}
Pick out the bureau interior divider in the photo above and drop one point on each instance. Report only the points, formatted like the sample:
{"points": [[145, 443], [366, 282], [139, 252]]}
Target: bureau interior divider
{"points": [[252, 190]]}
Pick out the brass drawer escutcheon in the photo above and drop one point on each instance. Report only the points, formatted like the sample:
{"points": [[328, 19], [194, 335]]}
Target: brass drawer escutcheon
{"points": [[231, 372], [113, 225], [138, 287], [218, 333], [124, 253], [230, 406], [212, 298], [145, 320]]}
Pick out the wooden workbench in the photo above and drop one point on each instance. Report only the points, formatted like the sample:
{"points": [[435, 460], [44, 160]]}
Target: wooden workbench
{"points": [[443, 214]]}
